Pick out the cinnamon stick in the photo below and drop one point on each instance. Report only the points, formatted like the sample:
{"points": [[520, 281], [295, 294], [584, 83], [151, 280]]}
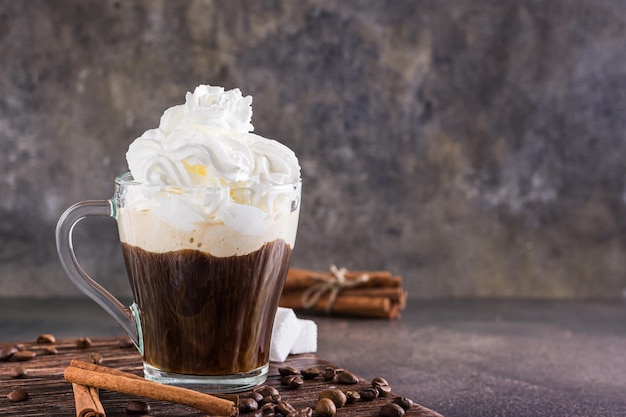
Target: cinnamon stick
{"points": [[87, 401], [395, 295], [352, 305], [298, 278], [99, 368], [115, 380]]}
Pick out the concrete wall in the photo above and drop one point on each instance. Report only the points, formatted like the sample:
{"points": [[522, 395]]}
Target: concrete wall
{"points": [[475, 147]]}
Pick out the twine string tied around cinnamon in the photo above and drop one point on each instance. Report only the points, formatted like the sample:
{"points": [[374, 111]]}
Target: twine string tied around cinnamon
{"points": [[332, 285]]}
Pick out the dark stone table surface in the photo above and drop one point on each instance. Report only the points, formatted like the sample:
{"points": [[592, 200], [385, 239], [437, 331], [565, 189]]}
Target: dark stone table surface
{"points": [[459, 357]]}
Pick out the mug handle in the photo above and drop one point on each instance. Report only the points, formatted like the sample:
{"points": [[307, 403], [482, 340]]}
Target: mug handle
{"points": [[127, 317]]}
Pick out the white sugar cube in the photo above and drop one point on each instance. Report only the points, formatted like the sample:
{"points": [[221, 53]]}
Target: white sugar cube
{"points": [[285, 331], [306, 341]]}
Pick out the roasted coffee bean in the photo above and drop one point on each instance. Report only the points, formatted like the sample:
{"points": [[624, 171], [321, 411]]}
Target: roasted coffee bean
{"points": [[288, 370], [352, 396], [292, 381], [286, 380], [17, 395], [266, 390], [335, 395], [50, 350], [20, 347], [404, 402], [379, 381], [97, 358], [247, 405], [271, 399], [368, 394], [296, 383], [137, 407], [310, 373], [7, 352], [268, 408], [18, 372], [46, 338], [276, 398], [303, 412], [325, 408], [391, 410], [23, 355], [329, 373], [347, 378], [382, 386], [256, 396], [285, 408], [84, 343]]}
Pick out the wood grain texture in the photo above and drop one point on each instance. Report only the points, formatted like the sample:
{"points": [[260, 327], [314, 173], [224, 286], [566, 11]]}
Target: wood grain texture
{"points": [[50, 394]]}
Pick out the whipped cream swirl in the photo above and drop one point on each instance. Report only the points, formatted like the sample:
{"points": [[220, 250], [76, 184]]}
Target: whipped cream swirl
{"points": [[208, 142]]}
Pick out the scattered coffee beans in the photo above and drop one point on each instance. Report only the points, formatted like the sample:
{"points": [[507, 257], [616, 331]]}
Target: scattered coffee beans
{"points": [[286, 380], [347, 378], [137, 407], [391, 410], [264, 401], [256, 396], [325, 408], [329, 373], [292, 381], [382, 386], [50, 350], [285, 408], [288, 370], [17, 395], [18, 372], [268, 408], [23, 355], [46, 338], [7, 352], [84, 343], [368, 394], [266, 390], [310, 373], [337, 396], [303, 412], [247, 405], [404, 402], [271, 399], [352, 396]]}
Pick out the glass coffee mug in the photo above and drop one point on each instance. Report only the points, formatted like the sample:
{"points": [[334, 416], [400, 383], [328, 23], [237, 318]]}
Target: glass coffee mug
{"points": [[206, 267]]}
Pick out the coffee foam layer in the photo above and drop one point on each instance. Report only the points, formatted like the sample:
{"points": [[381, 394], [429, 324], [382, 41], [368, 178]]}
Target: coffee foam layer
{"points": [[147, 230]]}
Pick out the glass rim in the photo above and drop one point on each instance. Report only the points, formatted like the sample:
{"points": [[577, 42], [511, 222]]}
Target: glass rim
{"points": [[126, 179]]}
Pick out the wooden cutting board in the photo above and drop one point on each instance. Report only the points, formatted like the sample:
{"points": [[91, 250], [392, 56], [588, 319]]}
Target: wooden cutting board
{"points": [[51, 395]]}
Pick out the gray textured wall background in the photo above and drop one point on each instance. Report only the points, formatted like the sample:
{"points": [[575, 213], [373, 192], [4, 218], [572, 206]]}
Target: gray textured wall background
{"points": [[476, 148]]}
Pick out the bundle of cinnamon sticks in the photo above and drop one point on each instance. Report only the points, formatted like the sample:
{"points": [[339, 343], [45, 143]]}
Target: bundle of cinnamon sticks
{"points": [[377, 294]]}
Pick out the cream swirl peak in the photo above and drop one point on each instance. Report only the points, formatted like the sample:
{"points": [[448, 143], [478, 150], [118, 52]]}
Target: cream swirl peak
{"points": [[208, 142]]}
